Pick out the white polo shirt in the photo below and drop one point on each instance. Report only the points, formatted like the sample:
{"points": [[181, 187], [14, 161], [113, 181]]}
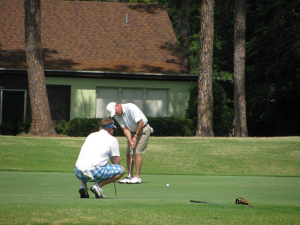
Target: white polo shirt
{"points": [[97, 150], [131, 115]]}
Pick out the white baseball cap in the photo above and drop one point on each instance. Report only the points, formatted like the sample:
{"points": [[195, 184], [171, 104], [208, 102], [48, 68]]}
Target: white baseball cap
{"points": [[111, 109]]}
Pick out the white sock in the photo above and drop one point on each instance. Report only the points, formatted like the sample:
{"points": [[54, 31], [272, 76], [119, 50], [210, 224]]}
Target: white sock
{"points": [[83, 185]]}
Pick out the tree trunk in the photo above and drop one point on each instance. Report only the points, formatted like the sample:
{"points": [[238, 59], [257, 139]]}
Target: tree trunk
{"points": [[185, 32], [205, 94], [240, 121], [40, 111]]}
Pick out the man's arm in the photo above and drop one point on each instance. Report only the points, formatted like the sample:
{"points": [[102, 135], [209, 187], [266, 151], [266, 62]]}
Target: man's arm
{"points": [[127, 134], [138, 130], [116, 160]]}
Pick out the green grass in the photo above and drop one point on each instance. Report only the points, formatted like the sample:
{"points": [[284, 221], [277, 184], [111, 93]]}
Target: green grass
{"points": [[52, 198], [194, 156], [38, 186]]}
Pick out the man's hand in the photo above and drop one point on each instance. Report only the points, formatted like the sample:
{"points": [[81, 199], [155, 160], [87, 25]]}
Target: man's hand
{"points": [[127, 134], [133, 142], [139, 129]]}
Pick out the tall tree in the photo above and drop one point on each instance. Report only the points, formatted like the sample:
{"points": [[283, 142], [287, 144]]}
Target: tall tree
{"points": [[205, 93], [273, 74], [240, 121], [185, 31], [40, 111]]}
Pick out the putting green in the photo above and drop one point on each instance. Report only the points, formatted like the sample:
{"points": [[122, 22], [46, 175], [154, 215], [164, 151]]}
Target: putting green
{"points": [[219, 189], [39, 197]]}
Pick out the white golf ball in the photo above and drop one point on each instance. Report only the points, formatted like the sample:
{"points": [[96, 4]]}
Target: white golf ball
{"points": [[168, 185]]}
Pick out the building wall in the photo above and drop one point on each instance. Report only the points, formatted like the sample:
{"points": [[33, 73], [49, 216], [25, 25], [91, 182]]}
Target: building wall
{"points": [[83, 93]]}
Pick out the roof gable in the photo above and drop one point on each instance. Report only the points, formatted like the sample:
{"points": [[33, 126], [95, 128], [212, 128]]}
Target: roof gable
{"points": [[94, 36]]}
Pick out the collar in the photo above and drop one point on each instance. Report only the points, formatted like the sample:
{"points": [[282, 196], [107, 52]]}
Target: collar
{"points": [[124, 110]]}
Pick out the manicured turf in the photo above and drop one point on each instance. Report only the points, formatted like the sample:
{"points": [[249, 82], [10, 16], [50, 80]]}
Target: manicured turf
{"points": [[195, 156], [38, 186], [52, 198]]}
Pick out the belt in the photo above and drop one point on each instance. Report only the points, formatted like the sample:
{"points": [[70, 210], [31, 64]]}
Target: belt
{"points": [[145, 125]]}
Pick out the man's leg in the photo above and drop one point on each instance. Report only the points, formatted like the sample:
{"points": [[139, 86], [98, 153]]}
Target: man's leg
{"points": [[97, 188], [83, 190], [138, 165], [130, 165], [112, 179], [140, 150]]}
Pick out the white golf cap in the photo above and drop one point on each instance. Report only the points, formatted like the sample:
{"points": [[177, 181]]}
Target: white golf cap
{"points": [[111, 109]]}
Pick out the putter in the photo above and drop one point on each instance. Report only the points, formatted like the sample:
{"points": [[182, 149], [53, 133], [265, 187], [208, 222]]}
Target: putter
{"points": [[130, 165], [194, 201], [131, 159], [116, 196]]}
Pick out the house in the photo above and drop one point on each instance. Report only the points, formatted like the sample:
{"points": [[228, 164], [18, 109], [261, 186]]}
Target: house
{"points": [[94, 53]]}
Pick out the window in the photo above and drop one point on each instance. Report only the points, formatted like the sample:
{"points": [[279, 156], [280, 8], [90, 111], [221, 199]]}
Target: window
{"points": [[156, 103], [153, 102], [59, 97], [134, 96], [105, 96], [12, 105]]}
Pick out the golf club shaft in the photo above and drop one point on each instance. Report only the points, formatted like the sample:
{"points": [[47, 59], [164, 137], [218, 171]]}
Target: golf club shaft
{"points": [[115, 189], [131, 162], [194, 201], [116, 196]]}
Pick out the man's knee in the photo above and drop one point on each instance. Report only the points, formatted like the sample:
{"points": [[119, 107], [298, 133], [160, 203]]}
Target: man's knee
{"points": [[123, 170]]}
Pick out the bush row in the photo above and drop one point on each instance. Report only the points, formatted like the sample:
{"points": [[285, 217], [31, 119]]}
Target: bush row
{"points": [[82, 127], [163, 126], [14, 129]]}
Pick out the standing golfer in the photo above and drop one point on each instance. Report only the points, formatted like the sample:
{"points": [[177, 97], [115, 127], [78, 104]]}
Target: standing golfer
{"points": [[137, 131], [91, 165]]}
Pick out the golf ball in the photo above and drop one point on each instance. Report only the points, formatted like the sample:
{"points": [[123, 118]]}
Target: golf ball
{"points": [[168, 185]]}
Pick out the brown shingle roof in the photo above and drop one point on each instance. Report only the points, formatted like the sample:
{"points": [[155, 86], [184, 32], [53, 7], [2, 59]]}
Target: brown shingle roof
{"points": [[93, 36]]}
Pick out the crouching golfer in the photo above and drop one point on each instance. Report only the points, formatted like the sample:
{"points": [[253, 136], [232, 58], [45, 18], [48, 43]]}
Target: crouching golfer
{"points": [[91, 165]]}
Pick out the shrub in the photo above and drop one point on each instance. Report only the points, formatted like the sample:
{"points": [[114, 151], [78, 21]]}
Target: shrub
{"points": [[81, 127], [163, 126], [23, 128], [60, 127], [14, 128], [223, 113], [8, 128], [170, 126]]}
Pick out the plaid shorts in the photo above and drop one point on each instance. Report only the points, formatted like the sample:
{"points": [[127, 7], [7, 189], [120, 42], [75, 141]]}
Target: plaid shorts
{"points": [[100, 173]]}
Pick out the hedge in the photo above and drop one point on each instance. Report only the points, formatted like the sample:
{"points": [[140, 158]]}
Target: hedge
{"points": [[163, 126], [82, 127]]}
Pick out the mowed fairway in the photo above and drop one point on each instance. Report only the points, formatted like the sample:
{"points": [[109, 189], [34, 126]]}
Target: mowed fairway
{"points": [[34, 192]]}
